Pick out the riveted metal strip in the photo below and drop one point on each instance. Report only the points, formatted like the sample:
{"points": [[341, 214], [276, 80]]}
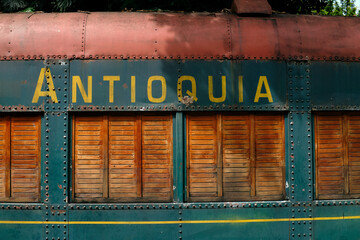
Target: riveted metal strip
{"points": [[300, 148], [55, 147]]}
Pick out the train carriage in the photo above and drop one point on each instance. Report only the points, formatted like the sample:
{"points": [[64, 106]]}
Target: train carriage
{"points": [[179, 126]]}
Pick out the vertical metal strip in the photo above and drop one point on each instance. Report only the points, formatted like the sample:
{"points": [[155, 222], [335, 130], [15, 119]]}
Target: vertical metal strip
{"points": [[178, 163], [300, 148]]}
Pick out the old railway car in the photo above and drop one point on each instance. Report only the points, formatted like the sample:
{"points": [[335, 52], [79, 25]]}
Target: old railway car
{"points": [[179, 126]]}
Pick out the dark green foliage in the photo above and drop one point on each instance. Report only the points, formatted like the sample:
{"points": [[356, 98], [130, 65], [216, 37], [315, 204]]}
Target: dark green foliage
{"points": [[322, 7], [341, 8], [114, 5], [298, 6]]}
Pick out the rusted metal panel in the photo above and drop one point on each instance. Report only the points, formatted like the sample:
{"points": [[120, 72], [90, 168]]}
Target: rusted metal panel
{"points": [[177, 35], [251, 7], [156, 35], [44, 35]]}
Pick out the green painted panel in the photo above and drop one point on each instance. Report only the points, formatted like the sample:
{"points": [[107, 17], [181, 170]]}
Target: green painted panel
{"points": [[335, 84], [195, 74], [121, 230], [13, 229], [333, 226], [265, 225], [19, 79]]}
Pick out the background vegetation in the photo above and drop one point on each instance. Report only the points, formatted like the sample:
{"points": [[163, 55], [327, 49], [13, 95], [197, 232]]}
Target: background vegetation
{"points": [[322, 7]]}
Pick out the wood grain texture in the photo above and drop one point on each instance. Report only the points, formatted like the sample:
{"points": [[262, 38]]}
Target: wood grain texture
{"points": [[270, 154], [123, 158], [157, 157], [202, 151], [235, 157], [337, 148], [90, 156], [4, 157], [25, 158], [354, 154]]}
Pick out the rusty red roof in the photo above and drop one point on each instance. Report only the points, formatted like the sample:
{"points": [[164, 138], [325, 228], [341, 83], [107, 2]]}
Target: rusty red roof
{"points": [[177, 36]]}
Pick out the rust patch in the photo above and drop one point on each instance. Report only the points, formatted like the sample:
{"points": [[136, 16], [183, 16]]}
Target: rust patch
{"points": [[125, 85]]}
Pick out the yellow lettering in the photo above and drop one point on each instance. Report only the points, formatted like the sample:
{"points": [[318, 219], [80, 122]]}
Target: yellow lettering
{"points": [[211, 90], [241, 89], [76, 81], [45, 72], [133, 93], [263, 80], [111, 80], [193, 87], [163, 89]]}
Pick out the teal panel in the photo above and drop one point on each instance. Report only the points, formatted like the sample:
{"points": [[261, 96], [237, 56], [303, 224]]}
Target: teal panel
{"points": [[335, 85], [267, 226], [19, 80], [336, 227], [195, 73], [122, 230], [15, 230]]}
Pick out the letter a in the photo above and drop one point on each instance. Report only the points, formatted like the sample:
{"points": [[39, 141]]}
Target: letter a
{"points": [[263, 80], [45, 72]]}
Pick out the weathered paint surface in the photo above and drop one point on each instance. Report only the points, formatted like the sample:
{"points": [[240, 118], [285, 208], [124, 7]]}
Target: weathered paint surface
{"points": [[57, 215], [132, 35]]}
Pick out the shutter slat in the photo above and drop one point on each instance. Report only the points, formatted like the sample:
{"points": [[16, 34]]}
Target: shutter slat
{"points": [[124, 157], [89, 155], [269, 156], [354, 153], [156, 144], [330, 153], [202, 157], [4, 157], [25, 158], [236, 157]]}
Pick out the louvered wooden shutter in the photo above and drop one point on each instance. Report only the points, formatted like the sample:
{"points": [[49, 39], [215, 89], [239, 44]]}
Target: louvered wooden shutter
{"points": [[236, 157], [270, 155], [124, 157], [202, 161], [25, 158], [90, 157], [354, 155], [330, 155], [157, 157], [4, 157]]}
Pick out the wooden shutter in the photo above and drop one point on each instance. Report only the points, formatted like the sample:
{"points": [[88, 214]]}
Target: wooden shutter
{"points": [[202, 161], [25, 158], [236, 157], [90, 155], [124, 157], [4, 157], [157, 157], [353, 139], [330, 155], [270, 155]]}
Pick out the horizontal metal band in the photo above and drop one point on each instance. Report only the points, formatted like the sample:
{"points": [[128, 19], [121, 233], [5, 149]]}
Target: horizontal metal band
{"points": [[184, 222]]}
